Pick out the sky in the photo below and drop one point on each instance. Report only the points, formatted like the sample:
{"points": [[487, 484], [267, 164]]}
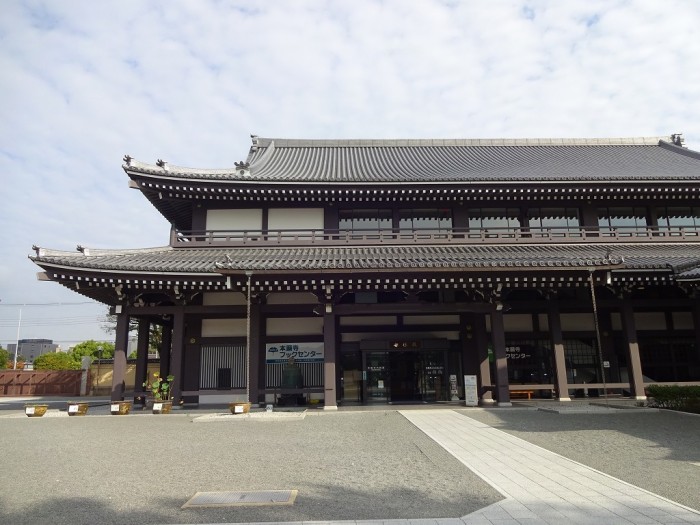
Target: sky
{"points": [[83, 83]]}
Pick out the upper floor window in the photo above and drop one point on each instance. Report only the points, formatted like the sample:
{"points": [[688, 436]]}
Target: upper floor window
{"points": [[431, 219], [562, 219], [485, 218], [675, 217], [353, 220], [625, 220]]}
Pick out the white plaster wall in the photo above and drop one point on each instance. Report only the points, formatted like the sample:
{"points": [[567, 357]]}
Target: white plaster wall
{"points": [[224, 328], [363, 320], [294, 326], [517, 323], [292, 298], [353, 338], [224, 298], [430, 319], [234, 220], [683, 321], [295, 218], [577, 322], [650, 320]]}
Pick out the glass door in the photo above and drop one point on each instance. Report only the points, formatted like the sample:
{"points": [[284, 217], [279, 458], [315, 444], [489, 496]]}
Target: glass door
{"points": [[377, 377], [351, 378]]}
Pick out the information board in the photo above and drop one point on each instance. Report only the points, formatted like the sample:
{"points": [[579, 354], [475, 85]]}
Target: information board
{"points": [[471, 394]]}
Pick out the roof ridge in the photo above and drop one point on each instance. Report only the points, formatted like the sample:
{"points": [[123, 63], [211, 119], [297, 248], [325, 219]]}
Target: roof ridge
{"points": [[612, 141]]}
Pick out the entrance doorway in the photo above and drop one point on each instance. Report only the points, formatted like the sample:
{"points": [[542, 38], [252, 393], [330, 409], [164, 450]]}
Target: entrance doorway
{"points": [[405, 374]]}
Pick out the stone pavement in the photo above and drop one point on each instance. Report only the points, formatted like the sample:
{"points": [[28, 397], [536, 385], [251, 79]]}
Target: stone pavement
{"points": [[541, 487]]}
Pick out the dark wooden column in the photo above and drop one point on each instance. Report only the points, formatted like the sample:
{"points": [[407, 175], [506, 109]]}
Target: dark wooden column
{"points": [[561, 383], [498, 336], [696, 327], [255, 351], [634, 363], [164, 350], [329, 357], [141, 360], [119, 370], [176, 354], [481, 342]]}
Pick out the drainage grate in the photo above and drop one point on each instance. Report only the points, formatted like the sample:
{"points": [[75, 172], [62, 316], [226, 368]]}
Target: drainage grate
{"points": [[241, 498]]}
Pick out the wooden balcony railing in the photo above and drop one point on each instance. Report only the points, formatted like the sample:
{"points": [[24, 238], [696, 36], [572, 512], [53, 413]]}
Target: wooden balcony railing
{"points": [[431, 236]]}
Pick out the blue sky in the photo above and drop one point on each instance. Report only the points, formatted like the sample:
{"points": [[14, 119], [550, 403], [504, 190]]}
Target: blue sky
{"points": [[86, 82]]}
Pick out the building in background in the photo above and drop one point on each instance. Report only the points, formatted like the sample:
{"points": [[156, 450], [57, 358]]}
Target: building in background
{"points": [[388, 270], [30, 349]]}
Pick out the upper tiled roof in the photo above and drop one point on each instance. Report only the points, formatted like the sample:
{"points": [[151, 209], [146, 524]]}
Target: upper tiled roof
{"points": [[169, 260], [448, 161]]}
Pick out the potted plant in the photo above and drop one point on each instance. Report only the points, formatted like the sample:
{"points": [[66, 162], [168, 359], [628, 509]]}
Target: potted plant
{"points": [[35, 410], [120, 408], [239, 408], [77, 408], [160, 388]]}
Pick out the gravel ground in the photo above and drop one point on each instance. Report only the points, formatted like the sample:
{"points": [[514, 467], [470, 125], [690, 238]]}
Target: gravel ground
{"points": [[655, 450], [143, 468]]}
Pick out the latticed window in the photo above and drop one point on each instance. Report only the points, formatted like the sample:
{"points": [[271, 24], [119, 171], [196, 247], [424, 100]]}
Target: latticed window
{"points": [[624, 220], [676, 217], [491, 218], [430, 219]]}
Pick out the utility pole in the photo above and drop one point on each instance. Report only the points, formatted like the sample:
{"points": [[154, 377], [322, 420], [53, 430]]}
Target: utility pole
{"points": [[19, 324]]}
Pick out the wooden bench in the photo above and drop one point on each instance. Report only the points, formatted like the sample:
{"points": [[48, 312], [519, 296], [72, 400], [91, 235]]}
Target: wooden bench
{"points": [[522, 393]]}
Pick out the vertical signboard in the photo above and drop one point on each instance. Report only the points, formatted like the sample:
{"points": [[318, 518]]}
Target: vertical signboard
{"points": [[471, 395]]}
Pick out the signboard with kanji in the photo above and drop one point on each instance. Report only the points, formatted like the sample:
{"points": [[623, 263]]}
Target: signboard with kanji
{"points": [[301, 352]]}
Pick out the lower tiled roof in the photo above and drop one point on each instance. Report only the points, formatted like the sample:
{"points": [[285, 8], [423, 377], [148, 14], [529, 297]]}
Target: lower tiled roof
{"points": [[683, 259]]}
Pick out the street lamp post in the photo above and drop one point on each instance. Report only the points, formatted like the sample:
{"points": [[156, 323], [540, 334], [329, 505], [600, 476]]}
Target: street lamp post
{"points": [[19, 324]]}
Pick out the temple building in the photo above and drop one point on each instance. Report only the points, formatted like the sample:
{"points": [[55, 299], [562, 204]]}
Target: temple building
{"points": [[388, 270]]}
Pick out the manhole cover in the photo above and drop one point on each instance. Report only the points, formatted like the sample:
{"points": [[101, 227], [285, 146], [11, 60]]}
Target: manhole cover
{"points": [[241, 498]]}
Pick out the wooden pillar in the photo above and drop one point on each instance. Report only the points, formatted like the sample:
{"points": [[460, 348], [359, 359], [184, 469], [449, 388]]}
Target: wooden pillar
{"points": [[177, 354], [164, 350], [634, 364], [561, 383], [255, 352], [481, 341], [329, 357], [119, 369], [498, 336], [141, 374], [696, 327]]}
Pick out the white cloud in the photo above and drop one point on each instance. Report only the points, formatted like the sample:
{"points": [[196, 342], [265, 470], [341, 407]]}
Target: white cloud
{"points": [[86, 82]]}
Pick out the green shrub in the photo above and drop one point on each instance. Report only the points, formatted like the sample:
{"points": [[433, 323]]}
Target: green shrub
{"points": [[675, 397]]}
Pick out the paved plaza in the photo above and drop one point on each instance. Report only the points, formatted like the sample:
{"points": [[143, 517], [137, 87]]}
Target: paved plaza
{"points": [[439, 465]]}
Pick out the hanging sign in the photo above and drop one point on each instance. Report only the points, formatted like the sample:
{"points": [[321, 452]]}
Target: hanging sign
{"points": [[301, 352], [471, 395]]}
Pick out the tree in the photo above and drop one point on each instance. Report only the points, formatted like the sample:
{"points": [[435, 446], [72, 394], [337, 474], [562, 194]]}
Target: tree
{"points": [[4, 358], [91, 348], [56, 361], [155, 333]]}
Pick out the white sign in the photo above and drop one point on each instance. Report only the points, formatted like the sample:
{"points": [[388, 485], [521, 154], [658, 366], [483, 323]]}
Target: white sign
{"points": [[471, 395], [301, 352], [606, 364], [380, 384], [72, 409], [238, 409], [157, 406], [29, 411], [115, 408]]}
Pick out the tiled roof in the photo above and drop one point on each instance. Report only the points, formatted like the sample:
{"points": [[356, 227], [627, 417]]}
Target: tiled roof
{"points": [[448, 161], [180, 261]]}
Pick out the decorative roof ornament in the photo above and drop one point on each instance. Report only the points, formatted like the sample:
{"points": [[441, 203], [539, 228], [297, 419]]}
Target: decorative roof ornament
{"points": [[82, 249], [162, 164], [127, 159], [677, 139], [243, 168]]}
